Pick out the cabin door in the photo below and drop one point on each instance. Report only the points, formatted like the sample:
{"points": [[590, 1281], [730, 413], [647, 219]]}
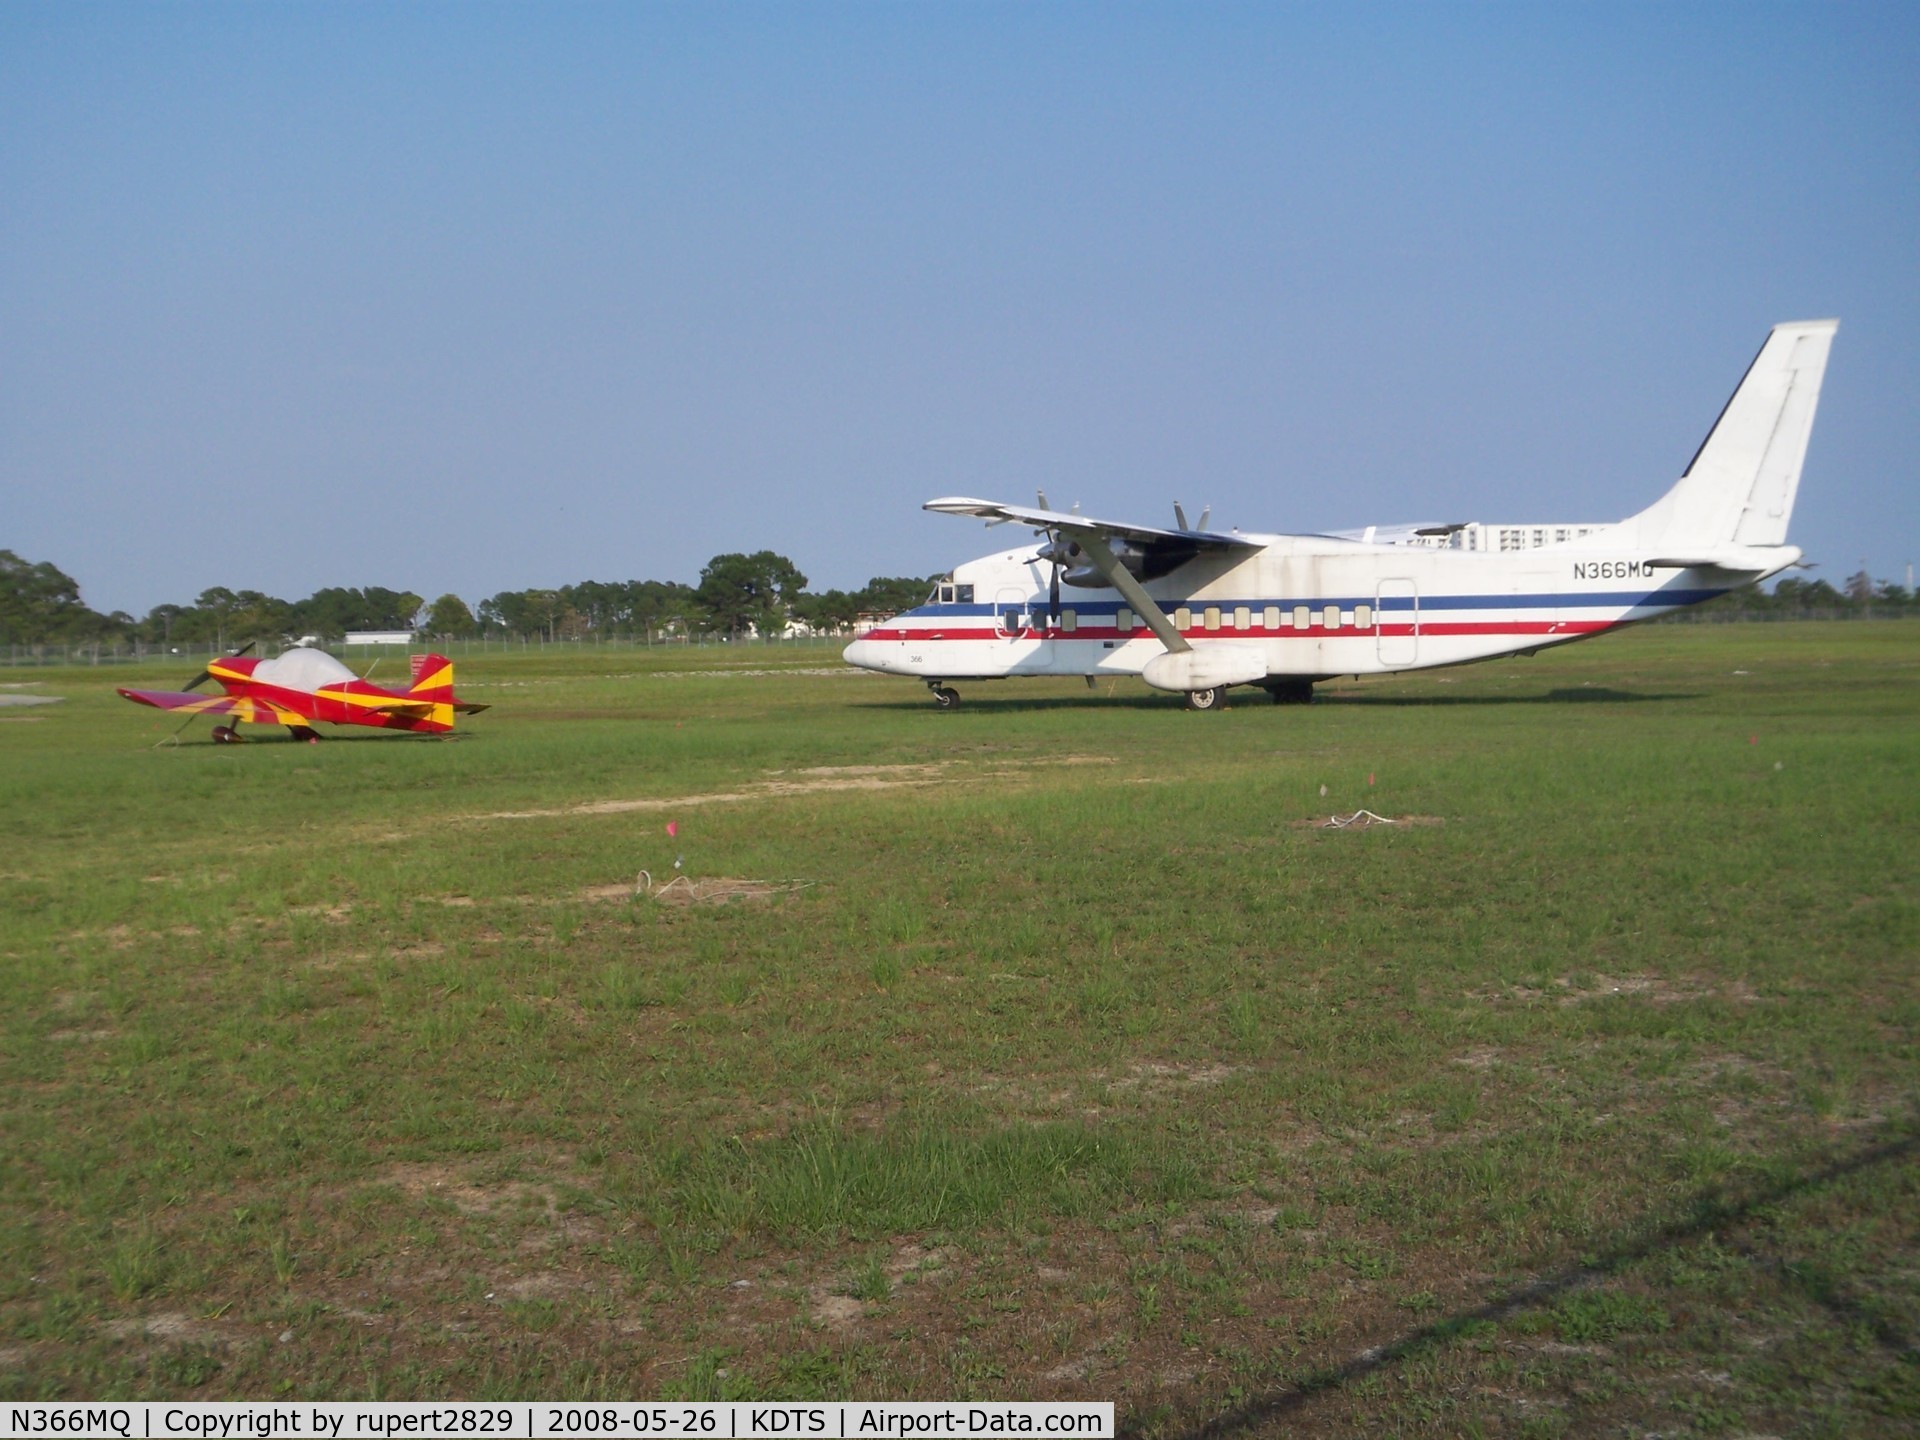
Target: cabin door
{"points": [[1396, 623], [1021, 622]]}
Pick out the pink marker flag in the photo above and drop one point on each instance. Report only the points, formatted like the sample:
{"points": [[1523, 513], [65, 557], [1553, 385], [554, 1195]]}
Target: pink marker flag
{"points": [[673, 828]]}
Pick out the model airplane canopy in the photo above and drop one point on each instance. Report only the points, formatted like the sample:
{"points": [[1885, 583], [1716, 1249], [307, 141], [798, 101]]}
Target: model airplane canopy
{"points": [[1195, 610]]}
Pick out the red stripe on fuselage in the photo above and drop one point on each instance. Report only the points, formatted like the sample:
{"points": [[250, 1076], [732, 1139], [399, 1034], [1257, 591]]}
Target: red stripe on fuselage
{"points": [[1311, 632]]}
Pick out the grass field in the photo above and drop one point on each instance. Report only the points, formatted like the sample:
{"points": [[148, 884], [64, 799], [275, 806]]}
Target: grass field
{"points": [[1049, 1048]]}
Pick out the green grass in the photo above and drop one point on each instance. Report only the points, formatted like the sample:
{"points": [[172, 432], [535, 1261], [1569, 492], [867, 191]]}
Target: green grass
{"points": [[1060, 1050]]}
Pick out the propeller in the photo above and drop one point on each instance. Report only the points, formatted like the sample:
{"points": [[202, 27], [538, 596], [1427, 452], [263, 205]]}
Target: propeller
{"points": [[1059, 552], [206, 675], [1180, 517]]}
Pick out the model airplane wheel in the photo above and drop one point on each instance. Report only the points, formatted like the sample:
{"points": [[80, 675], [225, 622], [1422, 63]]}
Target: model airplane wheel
{"points": [[225, 735], [946, 697], [1205, 699]]}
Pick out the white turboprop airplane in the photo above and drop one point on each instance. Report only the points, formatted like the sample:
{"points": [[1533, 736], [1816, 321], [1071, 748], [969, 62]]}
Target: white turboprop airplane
{"points": [[1194, 611]]}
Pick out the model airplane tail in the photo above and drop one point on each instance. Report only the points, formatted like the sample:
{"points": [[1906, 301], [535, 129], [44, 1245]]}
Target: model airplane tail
{"points": [[1738, 493], [433, 681]]}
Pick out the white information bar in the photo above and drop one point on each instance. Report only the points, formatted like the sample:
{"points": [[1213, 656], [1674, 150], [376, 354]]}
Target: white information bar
{"points": [[523, 1419]]}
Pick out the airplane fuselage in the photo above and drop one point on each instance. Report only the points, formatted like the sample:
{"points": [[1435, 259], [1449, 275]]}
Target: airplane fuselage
{"points": [[1194, 611], [1310, 607]]}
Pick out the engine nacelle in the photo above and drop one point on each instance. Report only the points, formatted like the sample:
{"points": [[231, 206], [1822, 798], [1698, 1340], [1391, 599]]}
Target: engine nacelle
{"points": [[1205, 667]]}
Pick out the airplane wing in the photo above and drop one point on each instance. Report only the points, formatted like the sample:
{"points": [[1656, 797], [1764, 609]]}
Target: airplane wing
{"points": [[243, 708], [1145, 536]]}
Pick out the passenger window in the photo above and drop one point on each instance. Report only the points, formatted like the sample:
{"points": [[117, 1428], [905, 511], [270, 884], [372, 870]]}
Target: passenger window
{"points": [[1330, 617], [1363, 616], [1242, 618], [1183, 619], [1123, 622], [1213, 617], [1302, 618], [1069, 620], [1010, 620]]}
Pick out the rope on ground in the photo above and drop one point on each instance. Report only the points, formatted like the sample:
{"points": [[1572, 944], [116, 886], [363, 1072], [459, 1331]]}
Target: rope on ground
{"points": [[685, 890], [1360, 819]]}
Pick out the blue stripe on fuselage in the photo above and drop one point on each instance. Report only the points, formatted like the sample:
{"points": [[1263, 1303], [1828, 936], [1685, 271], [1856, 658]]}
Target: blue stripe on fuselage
{"points": [[1612, 599]]}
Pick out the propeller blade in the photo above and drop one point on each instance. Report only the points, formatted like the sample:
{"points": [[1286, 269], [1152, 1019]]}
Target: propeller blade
{"points": [[206, 675], [1179, 516], [1053, 596]]}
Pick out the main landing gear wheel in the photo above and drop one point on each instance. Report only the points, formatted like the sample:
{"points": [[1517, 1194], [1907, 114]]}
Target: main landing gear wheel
{"points": [[225, 735], [945, 696], [1205, 699]]}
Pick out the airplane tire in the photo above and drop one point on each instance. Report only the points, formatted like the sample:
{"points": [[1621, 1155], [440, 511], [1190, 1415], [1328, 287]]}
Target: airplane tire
{"points": [[1205, 699], [946, 697], [225, 735]]}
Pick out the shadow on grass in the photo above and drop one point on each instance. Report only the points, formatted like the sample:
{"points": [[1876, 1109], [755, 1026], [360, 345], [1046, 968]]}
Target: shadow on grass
{"points": [[358, 735], [1584, 695], [1705, 1214], [1251, 699]]}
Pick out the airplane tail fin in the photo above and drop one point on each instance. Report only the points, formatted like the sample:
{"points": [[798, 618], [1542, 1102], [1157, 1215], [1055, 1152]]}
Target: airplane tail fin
{"points": [[433, 681], [432, 677], [1739, 490]]}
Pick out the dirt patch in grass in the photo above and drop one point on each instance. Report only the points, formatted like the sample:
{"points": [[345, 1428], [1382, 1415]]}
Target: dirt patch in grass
{"points": [[1657, 989], [335, 913], [169, 1326], [814, 780], [443, 1182], [1159, 1075], [1647, 987], [858, 777]]}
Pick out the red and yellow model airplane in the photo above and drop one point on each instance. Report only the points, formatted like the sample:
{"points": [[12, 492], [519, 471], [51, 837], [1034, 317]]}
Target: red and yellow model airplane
{"points": [[303, 686]]}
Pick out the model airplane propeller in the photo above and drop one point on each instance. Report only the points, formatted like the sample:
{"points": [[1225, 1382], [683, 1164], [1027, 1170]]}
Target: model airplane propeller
{"points": [[302, 686], [206, 675]]}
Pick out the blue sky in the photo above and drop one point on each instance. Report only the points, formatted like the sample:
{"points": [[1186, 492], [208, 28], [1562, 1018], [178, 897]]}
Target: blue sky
{"points": [[472, 298]]}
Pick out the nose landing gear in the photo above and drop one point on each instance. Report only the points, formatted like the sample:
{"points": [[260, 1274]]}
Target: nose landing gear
{"points": [[945, 696]]}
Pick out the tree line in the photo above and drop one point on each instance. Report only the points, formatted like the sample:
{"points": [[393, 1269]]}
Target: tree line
{"points": [[1861, 597], [737, 595]]}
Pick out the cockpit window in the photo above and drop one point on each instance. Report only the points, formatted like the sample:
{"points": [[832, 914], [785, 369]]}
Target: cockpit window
{"points": [[946, 594], [963, 594]]}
